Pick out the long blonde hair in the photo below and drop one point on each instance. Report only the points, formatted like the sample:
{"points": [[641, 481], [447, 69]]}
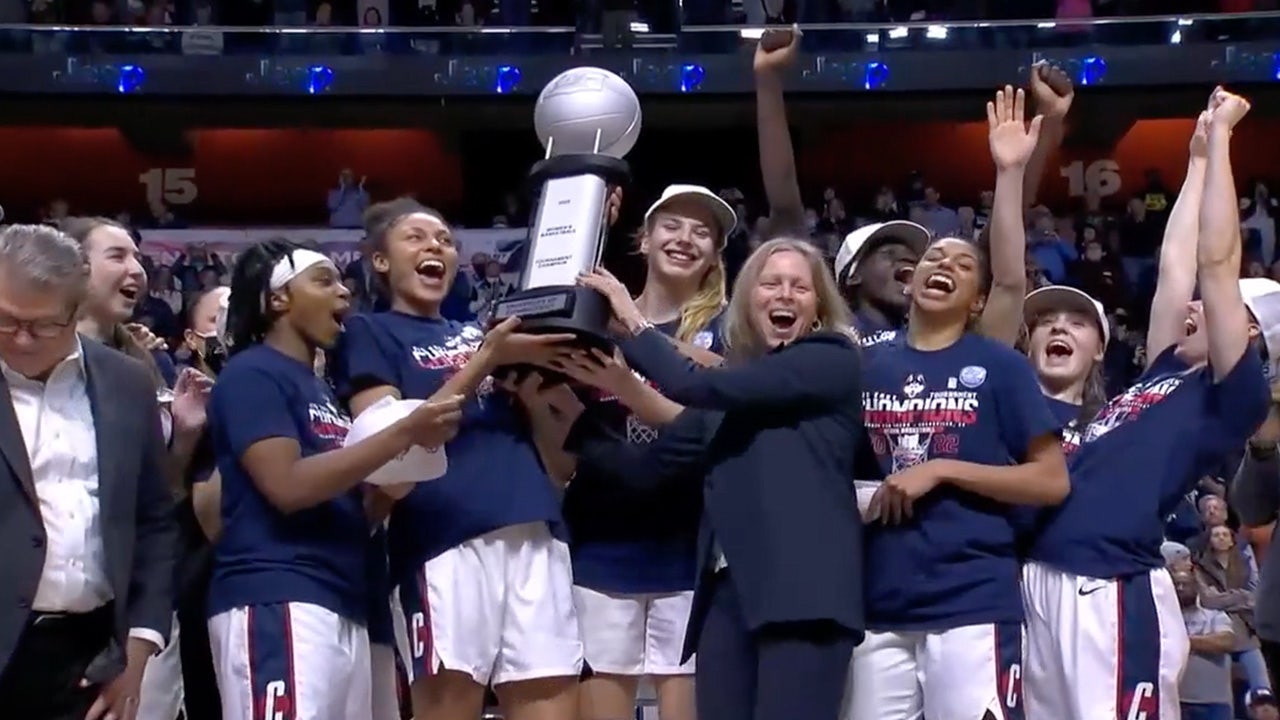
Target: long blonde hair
{"points": [[707, 303], [741, 336]]}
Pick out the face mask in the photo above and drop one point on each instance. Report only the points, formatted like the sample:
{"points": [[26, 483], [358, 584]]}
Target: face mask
{"points": [[214, 354]]}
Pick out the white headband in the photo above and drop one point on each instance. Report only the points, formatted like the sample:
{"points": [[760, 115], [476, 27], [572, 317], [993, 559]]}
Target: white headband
{"points": [[294, 264]]}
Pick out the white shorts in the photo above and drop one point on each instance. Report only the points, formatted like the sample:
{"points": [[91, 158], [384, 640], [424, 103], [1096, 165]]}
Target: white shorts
{"points": [[386, 695], [161, 694], [957, 674], [1102, 648], [639, 634], [292, 660], [498, 608]]}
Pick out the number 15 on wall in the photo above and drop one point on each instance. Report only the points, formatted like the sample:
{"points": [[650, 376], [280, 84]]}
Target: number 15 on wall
{"points": [[172, 186]]}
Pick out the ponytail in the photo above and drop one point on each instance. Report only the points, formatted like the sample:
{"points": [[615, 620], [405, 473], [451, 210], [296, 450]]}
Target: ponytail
{"points": [[705, 305]]}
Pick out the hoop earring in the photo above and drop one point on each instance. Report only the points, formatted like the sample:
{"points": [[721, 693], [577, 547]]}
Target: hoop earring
{"points": [[816, 325]]}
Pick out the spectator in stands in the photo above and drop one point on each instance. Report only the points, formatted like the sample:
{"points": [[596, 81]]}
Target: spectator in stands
{"points": [[348, 201], [1257, 212], [1205, 690], [1228, 580], [886, 207], [1097, 274], [1139, 238], [1050, 252], [190, 265], [1255, 494], [941, 221]]}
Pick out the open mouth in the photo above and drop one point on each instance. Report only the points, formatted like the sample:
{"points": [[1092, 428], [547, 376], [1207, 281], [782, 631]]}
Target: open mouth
{"points": [[1059, 349], [680, 256], [431, 269], [940, 282], [130, 293], [903, 274], [340, 315], [782, 320]]}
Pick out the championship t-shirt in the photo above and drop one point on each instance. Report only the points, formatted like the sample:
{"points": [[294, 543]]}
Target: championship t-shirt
{"points": [[265, 556], [955, 562]]}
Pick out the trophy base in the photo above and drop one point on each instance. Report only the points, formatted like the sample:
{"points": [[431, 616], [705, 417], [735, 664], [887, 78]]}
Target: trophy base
{"points": [[579, 311]]}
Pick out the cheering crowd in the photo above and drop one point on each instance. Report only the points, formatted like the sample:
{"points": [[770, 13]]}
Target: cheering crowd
{"points": [[888, 485]]}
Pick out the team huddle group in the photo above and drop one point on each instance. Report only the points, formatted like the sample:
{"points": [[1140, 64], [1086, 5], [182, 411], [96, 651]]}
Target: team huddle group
{"points": [[874, 491]]}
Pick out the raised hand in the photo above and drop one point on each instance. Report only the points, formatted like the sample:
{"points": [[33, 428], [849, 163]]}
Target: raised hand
{"points": [[505, 346], [1052, 89], [435, 422], [1200, 136], [776, 50], [142, 335], [1227, 109], [190, 400], [1012, 140]]}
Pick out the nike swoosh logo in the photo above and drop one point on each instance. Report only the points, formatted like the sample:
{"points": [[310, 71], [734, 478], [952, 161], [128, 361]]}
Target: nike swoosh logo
{"points": [[1089, 591]]}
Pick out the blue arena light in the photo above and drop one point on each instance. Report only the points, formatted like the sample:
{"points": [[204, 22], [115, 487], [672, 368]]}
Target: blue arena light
{"points": [[1093, 70], [1275, 66], [507, 80], [319, 78], [131, 79], [875, 76], [691, 77]]}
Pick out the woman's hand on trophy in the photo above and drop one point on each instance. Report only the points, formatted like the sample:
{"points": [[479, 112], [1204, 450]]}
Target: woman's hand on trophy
{"points": [[624, 308], [594, 368], [613, 206], [504, 346]]}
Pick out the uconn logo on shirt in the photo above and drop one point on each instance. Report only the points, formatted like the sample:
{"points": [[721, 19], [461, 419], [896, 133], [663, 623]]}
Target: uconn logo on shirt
{"points": [[328, 424], [911, 425], [1126, 408]]}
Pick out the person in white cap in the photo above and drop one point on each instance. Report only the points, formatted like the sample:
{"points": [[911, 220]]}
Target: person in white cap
{"points": [[1105, 636], [634, 554], [288, 600], [1068, 333], [873, 268]]}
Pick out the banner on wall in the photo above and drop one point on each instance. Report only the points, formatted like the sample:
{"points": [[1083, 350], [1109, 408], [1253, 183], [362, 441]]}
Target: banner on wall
{"points": [[476, 247]]}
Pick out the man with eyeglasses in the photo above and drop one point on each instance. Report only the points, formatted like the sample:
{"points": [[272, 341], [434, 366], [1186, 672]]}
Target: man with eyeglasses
{"points": [[86, 519]]}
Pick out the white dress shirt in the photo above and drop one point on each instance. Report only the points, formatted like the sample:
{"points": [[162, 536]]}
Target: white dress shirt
{"points": [[56, 419]]}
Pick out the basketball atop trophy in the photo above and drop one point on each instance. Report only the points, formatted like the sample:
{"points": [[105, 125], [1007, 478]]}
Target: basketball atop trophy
{"points": [[587, 110]]}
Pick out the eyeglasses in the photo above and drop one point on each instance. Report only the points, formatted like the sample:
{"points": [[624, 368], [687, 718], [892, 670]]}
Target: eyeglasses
{"points": [[35, 328]]}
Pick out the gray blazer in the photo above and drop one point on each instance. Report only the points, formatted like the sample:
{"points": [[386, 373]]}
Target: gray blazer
{"points": [[1255, 496], [140, 533]]}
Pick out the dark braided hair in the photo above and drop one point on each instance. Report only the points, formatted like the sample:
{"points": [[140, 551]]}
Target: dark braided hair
{"points": [[248, 316]]}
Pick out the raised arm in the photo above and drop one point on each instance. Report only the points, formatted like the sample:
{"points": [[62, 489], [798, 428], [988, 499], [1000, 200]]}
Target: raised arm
{"points": [[1053, 93], [774, 55], [817, 371], [1176, 280], [1012, 143], [1218, 252]]}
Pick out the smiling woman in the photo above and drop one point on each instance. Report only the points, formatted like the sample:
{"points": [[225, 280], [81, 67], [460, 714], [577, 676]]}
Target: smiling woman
{"points": [[117, 281]]}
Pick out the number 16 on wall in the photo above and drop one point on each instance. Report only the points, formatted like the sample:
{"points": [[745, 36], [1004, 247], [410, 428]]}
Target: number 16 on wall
{"points": [[1100, 178], [172, 186]]}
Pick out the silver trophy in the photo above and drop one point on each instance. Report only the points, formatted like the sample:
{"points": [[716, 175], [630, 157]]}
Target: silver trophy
{"points": [[587, 119]]}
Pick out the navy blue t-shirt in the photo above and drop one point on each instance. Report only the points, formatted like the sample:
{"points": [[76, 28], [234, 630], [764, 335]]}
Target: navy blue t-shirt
{"points": [[955, 562], [495, 477], [628, 540], [264, 556], [1068, 418], [872, 332], [1138, 458]]}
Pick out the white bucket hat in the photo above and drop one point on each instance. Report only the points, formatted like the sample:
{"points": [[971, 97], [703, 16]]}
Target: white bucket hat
{"points": [[865, 239], [1062, 297], [1262, 297], [720, 209]]}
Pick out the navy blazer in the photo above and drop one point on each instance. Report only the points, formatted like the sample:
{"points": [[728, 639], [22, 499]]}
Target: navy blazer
{"points": [[777, 442], [139, 533]]}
